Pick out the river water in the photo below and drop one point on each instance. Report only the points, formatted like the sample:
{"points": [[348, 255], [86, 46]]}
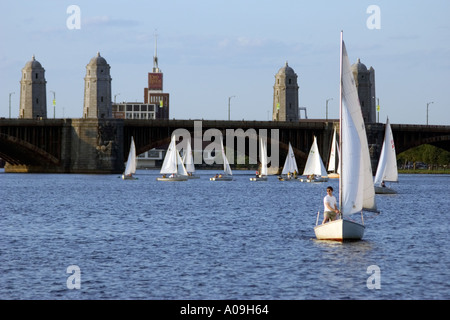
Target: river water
{"points": [[199, 239]]}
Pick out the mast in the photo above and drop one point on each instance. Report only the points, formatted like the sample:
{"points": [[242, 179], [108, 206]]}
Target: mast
{"points": [[340, 126]]}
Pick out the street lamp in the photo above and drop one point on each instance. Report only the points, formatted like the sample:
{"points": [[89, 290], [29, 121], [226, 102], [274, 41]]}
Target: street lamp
{"points": [[427, 109], [54, 103], [327, 107], [118, 94], [229, 99], [10, 94]]}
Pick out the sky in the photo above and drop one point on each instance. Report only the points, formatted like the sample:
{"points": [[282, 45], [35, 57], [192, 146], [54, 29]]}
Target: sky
{"points": [[210, 50]]}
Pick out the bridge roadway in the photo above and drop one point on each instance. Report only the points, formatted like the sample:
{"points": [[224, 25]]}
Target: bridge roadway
{"points": [[101, 145]]}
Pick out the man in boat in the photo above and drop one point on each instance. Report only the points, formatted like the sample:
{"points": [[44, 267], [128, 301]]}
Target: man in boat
{"points": [[330, 206]]}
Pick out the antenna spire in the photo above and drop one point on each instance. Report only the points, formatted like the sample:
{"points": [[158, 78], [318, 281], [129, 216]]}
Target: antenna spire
{"points": [[155, 57]]}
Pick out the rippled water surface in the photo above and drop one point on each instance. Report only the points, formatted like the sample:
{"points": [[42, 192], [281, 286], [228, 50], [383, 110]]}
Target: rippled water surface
{"points": [[200, 239]]}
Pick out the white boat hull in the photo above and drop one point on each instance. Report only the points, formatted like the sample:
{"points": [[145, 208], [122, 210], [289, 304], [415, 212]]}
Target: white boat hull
{"points": [[384, 190], [261, 178], [176, 178], [333, 175], [222, 178], [340, 230]]}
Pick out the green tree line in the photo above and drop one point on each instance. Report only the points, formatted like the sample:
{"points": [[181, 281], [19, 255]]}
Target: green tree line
{"points": [[433, 156]]}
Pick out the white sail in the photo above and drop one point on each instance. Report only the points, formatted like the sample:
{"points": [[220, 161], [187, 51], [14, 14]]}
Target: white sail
{"points": [[290, 165], [332, 159], [132, 160], [188, 159], [173, 164], [226, 165], [314, 164], [356, 183], [387, 165], [263, 157]]}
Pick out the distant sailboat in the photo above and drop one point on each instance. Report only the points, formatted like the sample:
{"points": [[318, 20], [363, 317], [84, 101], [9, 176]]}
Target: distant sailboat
{"points": [[334, 154], [227, 174], [387, 165], [130, 168], [314, 168], [356, 190], [290, 169], [188, 161], [173, 165], [262, 176]]}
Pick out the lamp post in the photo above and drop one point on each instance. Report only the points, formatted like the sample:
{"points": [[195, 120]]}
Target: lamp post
{"points": [[10, 94], [427, 109], [117, 94], [54, 103], [229, 99], [327, 108]]}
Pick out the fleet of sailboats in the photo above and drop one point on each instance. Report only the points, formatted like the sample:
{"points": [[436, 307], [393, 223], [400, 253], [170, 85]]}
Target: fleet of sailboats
{"points": [[356, 189], [314, 168], [387, 165], [130, 168]]}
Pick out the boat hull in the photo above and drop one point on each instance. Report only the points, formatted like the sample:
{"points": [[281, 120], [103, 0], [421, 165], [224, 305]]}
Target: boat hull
{"points": [[177, 178], [333, 175], [263, 178], [193, 177], [287, 179], [320, 179], [340, 230], [384, 190], [223, 178], [127, 177]]}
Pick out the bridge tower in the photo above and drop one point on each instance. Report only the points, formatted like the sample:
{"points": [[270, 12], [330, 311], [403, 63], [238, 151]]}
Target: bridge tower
{"points": [[365, 84], [97, 89], [285, 95], [33, 96]]}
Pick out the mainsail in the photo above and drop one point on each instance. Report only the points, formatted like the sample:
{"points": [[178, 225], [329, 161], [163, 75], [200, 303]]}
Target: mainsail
{"points": [[314, 164], [132, 161], [290, 165], [356, 182], [387, 165]]}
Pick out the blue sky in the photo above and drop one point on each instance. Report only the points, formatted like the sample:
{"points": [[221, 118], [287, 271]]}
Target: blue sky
{"points": [[211, 50]]}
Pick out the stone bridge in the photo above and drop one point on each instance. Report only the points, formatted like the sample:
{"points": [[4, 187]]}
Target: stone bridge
{"points": [[101, 145]]}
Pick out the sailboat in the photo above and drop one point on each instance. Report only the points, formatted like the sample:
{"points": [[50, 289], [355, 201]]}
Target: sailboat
{"points": [[290, 169], [130, 168], [314, 168], [227, 174], [387, 165], [173, 165], [188, 161], [356, 190], [262, 176], [332, 172]]}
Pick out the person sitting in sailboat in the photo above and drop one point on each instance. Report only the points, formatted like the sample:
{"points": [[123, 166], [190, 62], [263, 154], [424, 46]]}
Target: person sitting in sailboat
{"points": [[330, 206]]}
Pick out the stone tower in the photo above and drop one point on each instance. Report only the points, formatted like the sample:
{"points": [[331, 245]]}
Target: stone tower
{"points": [[285, 95], [365, 84], [33, 96], [97, 89]]}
